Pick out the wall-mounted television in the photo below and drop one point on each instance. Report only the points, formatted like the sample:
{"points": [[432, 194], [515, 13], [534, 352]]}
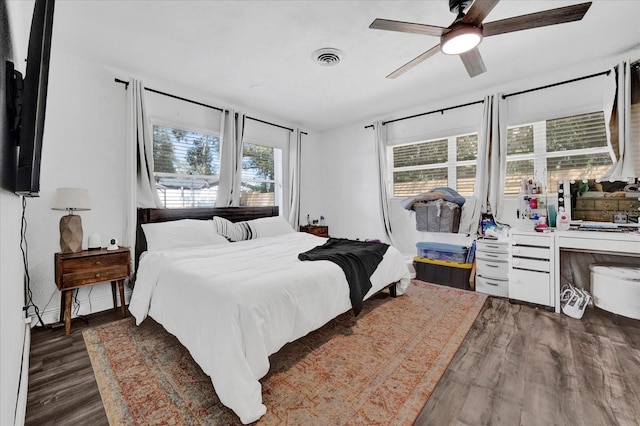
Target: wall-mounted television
{"points": [[27, 100]]}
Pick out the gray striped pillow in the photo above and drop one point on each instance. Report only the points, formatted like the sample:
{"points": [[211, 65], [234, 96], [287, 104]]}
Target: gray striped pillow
{"points": [[238, 231]]}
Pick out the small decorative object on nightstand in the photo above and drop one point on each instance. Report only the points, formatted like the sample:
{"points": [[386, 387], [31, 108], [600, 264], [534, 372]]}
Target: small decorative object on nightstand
{"points": [[320, 231], [89, 267]]}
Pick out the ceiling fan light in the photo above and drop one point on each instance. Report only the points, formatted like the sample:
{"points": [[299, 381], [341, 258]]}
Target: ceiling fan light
{"points": [[460, 40]]}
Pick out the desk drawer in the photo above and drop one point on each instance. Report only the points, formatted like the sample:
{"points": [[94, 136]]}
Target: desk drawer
{"points": [[531, 264], [530, 240], [492, 268], [530, 286], [492, 286], [534, 252], [628, 204], [491, 246], [606, 204], [585, 204], [88, 276]]}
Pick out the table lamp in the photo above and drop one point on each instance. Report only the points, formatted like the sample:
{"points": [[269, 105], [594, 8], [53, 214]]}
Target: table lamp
{"points": [[71, 200]]}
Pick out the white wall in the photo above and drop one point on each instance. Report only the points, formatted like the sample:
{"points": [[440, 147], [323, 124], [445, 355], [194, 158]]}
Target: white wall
{"points": [[85, 146], [15, 19], [345, 163]]}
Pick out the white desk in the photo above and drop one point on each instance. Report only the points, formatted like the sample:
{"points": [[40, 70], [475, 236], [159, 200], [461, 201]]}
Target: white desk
{"points": [[619, 243]]}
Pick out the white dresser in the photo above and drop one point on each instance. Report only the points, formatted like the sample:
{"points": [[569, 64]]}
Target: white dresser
{"points": [[531, 268], [492, 267]]}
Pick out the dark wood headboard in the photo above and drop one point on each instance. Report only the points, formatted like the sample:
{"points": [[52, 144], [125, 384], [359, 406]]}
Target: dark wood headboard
{"points": [[234, 214]]}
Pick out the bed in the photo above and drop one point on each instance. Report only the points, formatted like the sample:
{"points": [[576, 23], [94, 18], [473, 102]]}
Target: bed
{"points": [[234, 304]]}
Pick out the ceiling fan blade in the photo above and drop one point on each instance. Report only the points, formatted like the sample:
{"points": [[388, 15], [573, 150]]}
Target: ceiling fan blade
{"points": [[412, 63], [407, 27], [473, 62], [536, 20], [478, 11]]}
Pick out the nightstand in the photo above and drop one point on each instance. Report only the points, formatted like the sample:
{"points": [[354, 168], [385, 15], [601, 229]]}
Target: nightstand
{"points": [[89, 267], [320, 231]]}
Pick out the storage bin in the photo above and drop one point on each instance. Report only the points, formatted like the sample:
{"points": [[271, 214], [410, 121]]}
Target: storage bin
{"points": [[437, 216], [616, 288], [441, 272], [442, 251]]}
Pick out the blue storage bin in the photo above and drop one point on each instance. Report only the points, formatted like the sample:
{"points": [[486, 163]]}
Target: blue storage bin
{"points": [[442, 251]]}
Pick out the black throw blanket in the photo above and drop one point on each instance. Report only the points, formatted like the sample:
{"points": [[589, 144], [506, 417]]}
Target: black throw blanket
{"points": [[358, 260]]}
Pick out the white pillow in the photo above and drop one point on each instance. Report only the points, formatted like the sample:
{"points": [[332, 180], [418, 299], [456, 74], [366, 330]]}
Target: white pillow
{"points": [[271, 226], [238, 231], [181, 233]]}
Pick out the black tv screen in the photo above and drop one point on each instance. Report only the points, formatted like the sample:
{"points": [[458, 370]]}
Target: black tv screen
{"points": [[34, 100]]}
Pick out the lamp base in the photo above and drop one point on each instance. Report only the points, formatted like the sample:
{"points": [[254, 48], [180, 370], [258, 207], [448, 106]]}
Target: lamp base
{"points": [[70, 234]]}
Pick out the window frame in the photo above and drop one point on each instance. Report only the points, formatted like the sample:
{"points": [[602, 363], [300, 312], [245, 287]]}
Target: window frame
{"points": [[450, 166], [160, 122], [540, 155], [278, 170]]}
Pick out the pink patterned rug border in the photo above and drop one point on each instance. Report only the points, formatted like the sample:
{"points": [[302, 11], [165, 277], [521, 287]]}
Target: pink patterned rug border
{"points": [[403, 347]]}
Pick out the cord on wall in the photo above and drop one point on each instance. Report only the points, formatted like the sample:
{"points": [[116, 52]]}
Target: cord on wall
{"points": [[24, 247]]}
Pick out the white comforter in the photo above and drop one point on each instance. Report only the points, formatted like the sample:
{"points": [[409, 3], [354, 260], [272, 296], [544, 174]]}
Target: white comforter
{"points": [[233, 305]]}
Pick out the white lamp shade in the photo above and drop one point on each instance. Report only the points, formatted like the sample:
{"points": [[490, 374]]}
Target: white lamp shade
{"points": [[72, 199]]}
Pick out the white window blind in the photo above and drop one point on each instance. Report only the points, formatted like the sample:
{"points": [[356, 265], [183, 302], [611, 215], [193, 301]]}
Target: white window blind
{"points": [[186, 167], [572, 147], [422, 166]]}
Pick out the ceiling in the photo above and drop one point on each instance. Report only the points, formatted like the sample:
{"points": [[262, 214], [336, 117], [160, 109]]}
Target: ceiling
{"points": [[257, 54]]}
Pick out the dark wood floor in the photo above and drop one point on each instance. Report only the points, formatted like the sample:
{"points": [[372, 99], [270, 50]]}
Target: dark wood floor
{"points": [[517, 366]]}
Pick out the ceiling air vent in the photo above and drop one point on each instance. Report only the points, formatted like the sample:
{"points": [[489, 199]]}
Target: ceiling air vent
{"points": [[327, 57]]}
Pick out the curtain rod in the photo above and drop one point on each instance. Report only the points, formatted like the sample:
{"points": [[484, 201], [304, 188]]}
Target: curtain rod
{"points": [[557, 84], [126, 84], [441, 111]]}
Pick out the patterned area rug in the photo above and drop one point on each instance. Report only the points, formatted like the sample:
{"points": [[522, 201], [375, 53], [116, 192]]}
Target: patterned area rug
{"points": [[378, 368]]}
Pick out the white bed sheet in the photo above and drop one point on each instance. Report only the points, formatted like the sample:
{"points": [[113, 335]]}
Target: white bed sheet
{"points": [[233, 305]]}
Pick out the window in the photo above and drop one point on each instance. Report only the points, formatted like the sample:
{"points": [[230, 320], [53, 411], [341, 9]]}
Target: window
{"points": [[422, 166], [564, 148], [186, 167], [261, 175]]}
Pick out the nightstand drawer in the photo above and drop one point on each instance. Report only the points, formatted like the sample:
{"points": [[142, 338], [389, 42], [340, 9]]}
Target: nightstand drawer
{"points": [[94, 262], [320, 231], [99, 274]]}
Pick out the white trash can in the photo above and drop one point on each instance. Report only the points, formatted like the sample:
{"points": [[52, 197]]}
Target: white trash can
{"points": [[616, 288]]}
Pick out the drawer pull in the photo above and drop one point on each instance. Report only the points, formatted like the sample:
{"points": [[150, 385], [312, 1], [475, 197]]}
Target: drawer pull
{"points": [[492, 255], [492, 266], [98, 262], [98, 275], [492, 283]]}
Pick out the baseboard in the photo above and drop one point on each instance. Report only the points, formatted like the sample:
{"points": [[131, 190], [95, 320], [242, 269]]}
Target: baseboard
{"points": [[98, 304], [23, 387]]}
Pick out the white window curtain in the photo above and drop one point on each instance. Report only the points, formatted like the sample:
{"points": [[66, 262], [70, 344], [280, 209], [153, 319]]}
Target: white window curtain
{"points": [[294, 179], [491, 163], [498, 154], [147, 195], [478, 203], [231, 134], [381, 148], [618, 112]]}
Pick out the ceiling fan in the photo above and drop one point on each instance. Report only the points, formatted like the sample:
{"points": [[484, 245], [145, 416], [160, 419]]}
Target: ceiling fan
{"points": [[467, 30]]}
